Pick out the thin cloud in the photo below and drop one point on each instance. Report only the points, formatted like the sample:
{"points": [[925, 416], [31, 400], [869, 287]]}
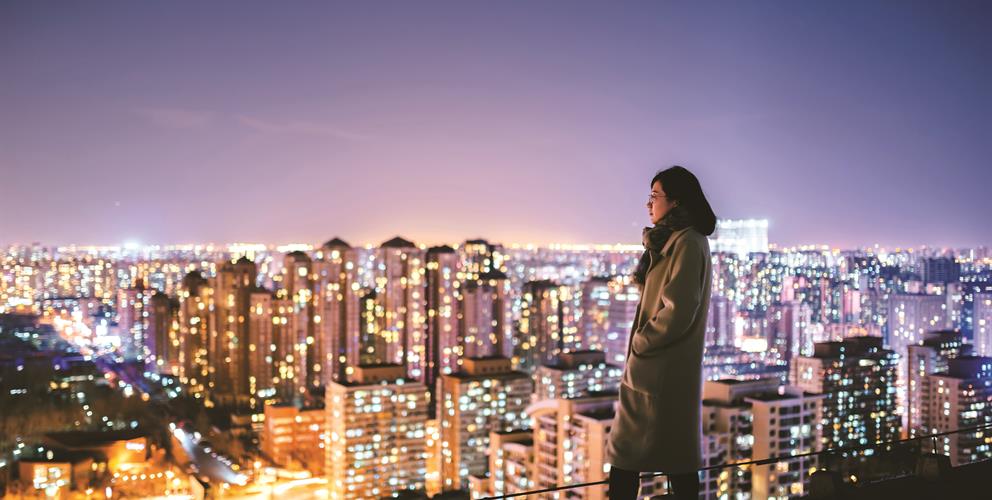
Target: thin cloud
{"points": [[298, 127], [186, 119], [723, 120]]}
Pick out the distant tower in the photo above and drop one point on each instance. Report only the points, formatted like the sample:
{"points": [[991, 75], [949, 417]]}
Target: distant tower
{"points": [[196, 330], [299, 280], [624, 297], [982, 323], [161, 339], [444, 344], [399, 285], [941, 270], [341, 311], [741, 236], [372, 346], [244, 326], [929, 357], [544, 325], [595, 312], [289, 354], [910, 316], [481, 257], [484, 320], [132, 316], [720, 322]]}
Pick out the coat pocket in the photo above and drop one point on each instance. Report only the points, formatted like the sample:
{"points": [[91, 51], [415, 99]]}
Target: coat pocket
{"points": [[646, 374]]}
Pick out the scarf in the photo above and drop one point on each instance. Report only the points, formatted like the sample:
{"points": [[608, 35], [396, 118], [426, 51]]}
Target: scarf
{"points": [[654, 239]]}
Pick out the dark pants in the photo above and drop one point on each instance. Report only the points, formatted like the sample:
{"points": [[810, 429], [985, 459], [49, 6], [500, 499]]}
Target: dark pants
{"points": [[624, 485]]}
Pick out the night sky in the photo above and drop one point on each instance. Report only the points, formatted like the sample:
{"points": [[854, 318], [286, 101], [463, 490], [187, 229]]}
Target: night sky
{"points": [[843, 123]]}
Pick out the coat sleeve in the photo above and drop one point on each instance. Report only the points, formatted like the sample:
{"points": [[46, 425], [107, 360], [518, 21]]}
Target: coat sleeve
{"points": [[681, 298]]}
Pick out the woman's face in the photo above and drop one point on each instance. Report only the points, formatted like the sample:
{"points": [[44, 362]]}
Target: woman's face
{"points": [[658, 203]]}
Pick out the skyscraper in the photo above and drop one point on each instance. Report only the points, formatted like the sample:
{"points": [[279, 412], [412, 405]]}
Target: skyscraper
{"points": [[291, 436], [299, 280], [161, 343], [376, 424], [720, 321], [484, 322], [595, 312], [624, 297], [373, 347], [910, 316], [961, 397], [485, 395], [399, 285], [545, 324], [256, 381], [239, 366], [929, 357], [982, 323], [784, 423], [444, 338], [576, 374], [941, 270], [196, 331], [789, 323], [761, 419], [287, 351], [480, 257], [132, 319], [579, 454], [339, 269], [566, 445], [857, 377], [740, 236], [511, 465]]}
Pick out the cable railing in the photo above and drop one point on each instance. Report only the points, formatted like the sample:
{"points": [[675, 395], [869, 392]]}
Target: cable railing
{"points": [[762, 461]]}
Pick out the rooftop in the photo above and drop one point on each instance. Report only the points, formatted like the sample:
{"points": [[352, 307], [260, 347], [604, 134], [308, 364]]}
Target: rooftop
{"points": [[298, 256], [336, 243], [397, 242], [440, 249]]}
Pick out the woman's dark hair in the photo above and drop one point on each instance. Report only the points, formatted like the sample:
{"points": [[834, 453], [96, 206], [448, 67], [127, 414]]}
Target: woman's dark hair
{"points": [[682, 186]]}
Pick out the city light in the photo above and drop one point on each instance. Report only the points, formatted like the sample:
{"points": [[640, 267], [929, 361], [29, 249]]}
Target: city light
{"points": [[433, 250]]}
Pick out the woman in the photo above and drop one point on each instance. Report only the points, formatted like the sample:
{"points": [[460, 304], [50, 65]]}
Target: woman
{"points": [[657, 425]]}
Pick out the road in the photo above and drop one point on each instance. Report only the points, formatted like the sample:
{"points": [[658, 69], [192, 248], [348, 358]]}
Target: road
{"points": [[208, 463]]}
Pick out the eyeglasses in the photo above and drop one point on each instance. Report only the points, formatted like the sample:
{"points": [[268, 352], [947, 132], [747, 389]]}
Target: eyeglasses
{"points": [[655, 196]]}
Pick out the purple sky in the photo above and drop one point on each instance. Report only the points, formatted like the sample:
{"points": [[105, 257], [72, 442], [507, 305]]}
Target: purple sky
{"points": [[170, 122]]}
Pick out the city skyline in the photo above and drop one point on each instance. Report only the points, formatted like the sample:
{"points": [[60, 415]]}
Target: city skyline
{"points": [[326, 357], [843, 126]]}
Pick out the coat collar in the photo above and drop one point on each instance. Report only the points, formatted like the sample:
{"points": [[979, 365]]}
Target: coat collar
{"points": [[671, 239]]}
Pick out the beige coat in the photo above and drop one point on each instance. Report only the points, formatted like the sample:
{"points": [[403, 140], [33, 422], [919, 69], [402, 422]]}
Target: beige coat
{"points": [[657, 424]]}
